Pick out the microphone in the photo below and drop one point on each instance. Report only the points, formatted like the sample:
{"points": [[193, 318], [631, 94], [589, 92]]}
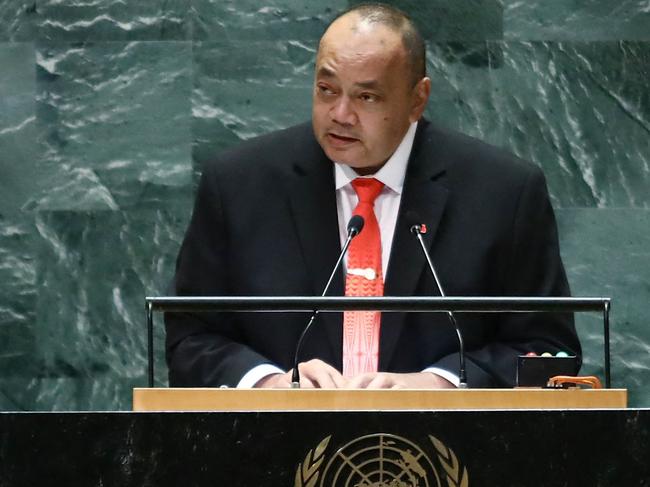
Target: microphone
{"points": [[355, 225], [419, 229]]}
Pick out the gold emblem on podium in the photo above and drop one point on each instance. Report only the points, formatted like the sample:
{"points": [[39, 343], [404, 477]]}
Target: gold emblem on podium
{"points": [[381, 460]]}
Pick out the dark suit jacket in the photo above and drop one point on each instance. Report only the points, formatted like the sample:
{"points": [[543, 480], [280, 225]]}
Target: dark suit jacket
{"points": [[265, 223]]}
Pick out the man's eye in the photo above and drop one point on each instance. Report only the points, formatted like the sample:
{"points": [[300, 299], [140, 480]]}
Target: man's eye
{"points": [[325, 90], [369, 97]]}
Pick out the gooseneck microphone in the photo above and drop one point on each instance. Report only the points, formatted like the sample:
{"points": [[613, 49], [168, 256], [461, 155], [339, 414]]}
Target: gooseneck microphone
{"points": [[418, 229], [355, 225]]}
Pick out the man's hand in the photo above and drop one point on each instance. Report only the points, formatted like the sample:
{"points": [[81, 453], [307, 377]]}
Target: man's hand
{"points": [[313, 374], [387, 380], [318, 374]]}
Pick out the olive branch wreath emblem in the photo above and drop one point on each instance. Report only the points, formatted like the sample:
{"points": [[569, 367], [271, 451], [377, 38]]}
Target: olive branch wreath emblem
{"points": [[456, 477], [307, 472]]}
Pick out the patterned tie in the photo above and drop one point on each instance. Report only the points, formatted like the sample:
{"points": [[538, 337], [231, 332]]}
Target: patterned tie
{"points": [[364, 278]]}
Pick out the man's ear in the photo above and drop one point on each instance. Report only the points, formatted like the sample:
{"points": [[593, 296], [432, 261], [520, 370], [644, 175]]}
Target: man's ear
{"points": [[421, 92]]}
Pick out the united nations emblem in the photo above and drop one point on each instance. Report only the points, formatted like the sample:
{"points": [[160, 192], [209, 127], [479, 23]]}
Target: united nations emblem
{"points": [[381, 460]]}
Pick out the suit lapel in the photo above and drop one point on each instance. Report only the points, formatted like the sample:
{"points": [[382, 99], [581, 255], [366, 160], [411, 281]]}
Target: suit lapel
{"points": [[423, 199], [313, 205]]}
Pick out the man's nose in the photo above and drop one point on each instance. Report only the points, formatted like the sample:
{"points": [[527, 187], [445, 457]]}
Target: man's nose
{"points": [[342, 112]]}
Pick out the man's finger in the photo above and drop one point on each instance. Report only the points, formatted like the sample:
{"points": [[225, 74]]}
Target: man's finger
{"points": [[307, 383], [283, 381], [360, 381], [340, 382], [381, 381], [332, 377], [320, 374]]}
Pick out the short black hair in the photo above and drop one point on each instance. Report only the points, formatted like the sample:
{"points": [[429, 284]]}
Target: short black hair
{"points": [[400, 22]]}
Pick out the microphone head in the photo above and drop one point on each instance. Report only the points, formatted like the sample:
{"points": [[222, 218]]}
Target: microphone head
{"points": [[355, 225], [414, 223]]}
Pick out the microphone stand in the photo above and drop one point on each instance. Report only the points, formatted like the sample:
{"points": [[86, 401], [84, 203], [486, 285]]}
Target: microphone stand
{"points": [[354, 228], [462, 374]]}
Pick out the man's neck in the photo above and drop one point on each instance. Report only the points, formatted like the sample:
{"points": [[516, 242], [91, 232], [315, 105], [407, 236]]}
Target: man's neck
{"points": [[368, 171]]}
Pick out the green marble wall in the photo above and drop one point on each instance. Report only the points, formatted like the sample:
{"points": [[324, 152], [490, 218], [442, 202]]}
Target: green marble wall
{"points": [[108, 108]]}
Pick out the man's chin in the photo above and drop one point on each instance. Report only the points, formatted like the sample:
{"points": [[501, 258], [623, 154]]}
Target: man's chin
{"points": [[345, 155], [349, 151]]}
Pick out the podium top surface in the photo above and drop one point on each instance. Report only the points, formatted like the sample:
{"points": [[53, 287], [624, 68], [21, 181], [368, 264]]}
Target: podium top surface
{"points": [[205, 399]]}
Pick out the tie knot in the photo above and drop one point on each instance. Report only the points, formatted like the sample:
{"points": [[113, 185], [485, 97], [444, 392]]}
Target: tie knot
{"points": [[367, 189]]}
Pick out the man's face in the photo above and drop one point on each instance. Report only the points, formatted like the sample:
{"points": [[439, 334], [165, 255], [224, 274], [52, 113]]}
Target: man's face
{"points": [[364, 98]]}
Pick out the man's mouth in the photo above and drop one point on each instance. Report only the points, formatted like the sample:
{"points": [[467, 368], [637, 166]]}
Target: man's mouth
{"points": [[341, 139]]}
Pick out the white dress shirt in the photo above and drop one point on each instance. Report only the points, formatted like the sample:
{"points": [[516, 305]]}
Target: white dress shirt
{"points": [[392, 174]]}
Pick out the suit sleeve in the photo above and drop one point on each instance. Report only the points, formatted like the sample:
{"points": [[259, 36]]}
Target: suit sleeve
{"points": [[534, 268], [205, 349]]}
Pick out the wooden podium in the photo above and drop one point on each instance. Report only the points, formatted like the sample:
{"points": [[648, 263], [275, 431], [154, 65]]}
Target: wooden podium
{"points": [[328, 438], [185, 399], [454, 437], [387, 438]]}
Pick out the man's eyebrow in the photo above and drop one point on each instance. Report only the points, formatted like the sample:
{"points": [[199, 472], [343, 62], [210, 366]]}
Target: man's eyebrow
{"points": [[326, 72], [370, 84]]}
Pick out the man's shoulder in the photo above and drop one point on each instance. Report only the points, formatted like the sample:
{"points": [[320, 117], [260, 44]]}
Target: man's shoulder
{"points": [[463, 153], [270, 156]]}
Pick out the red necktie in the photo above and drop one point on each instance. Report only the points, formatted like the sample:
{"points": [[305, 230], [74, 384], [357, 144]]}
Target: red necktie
{"points": [[364, 278]]}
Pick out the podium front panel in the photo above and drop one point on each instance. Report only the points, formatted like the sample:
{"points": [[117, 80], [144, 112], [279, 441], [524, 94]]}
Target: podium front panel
{"points": [[316, 449]]}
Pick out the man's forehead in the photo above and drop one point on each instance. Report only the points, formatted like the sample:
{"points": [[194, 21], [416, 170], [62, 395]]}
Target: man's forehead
{"points": [[354, 23], [356, 54], [363, 53], [352, 32]]}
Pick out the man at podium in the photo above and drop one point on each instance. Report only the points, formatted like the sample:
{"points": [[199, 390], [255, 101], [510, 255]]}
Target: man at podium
{"points": [[271, 217]]}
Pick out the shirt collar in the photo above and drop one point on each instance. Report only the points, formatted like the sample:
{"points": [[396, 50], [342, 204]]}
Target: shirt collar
{"points": [[392, 173]]}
